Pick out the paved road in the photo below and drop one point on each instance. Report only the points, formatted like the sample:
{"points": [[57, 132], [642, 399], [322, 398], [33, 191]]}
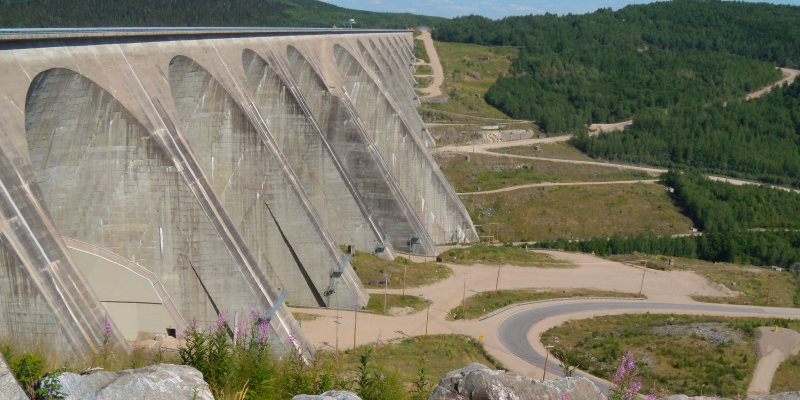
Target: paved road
{"points": [[513, 330]]}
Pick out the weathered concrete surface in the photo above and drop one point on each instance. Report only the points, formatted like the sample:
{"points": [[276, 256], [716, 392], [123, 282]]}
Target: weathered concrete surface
{"points": [[9, 387], [156, 382], [225, 168], [478, 382]]}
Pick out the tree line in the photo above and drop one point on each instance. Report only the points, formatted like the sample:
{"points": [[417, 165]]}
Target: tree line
{"points": [[184, 13], [606, 66]]}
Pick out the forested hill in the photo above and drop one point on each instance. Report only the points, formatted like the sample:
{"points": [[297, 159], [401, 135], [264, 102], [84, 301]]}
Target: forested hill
{"points": [[120, 13], [605, 66]]}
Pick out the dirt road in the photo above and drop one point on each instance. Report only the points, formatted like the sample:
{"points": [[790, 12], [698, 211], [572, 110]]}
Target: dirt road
{"points": [[435, 89], [545, 184], [789, 75], [773, 348]]}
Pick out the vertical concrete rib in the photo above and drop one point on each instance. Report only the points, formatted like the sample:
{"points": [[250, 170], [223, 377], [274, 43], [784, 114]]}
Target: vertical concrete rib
{"points": [[434, 200], [291, 121], [221, 118], [349, 138]]}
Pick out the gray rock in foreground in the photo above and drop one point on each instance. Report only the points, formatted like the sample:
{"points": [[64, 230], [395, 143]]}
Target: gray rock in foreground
{"points": [[478, 382], [156, 382], [9, 387], [777, 396], [329, 395]]}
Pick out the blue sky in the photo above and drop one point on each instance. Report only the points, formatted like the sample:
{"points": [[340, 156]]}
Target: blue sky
{"points": [[490, 8]]}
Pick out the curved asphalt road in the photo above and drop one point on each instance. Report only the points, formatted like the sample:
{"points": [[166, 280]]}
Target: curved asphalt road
{"points": [[513, 330]]}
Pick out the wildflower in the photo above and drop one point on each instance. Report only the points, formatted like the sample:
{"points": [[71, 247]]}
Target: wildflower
{"points": [[107, 328], [263, 329], [564, 396], [135, 346], [253, 312]]}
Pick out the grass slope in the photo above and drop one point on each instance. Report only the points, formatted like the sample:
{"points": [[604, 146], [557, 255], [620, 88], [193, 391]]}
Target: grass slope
{"points": [[396, 301], [459, 60], [495, 255], [577, 212], [680, 363], [787, 377], [563, 151], [485, 172], [369, 267]]}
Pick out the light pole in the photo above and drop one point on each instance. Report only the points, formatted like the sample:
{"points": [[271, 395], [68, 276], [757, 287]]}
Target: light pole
{"points": [[464, 299], [769, 289], [547, 357], [337, 331], [405, 269], [355, 326], [385, 287], [427, 318], [641, 287]]}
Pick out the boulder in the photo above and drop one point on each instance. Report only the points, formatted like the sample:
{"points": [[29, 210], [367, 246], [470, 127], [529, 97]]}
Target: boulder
{"points": [[329, 395], [9, 387], [156, 382], [478, 382], [777, 396]]}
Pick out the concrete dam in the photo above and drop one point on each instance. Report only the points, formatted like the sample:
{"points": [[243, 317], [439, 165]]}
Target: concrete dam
{"points": [[155, 177]]}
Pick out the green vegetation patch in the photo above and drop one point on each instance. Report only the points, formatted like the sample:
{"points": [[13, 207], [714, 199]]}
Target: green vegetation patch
{"points": [[715, 358], [305, 316], [424, 70], [721, 206], [497, 255], [484, 172], [396, 304], [750, 285], [485, 302], [470, 70], [559, 150], [540, 213], [420, 51], [371, 268], [607, 65], [787, 377], [424, 81]]}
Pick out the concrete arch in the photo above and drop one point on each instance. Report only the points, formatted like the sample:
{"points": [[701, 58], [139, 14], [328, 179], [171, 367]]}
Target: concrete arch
{"points": [[139, 207], [257, 187], [434, 201], [352, 144]]}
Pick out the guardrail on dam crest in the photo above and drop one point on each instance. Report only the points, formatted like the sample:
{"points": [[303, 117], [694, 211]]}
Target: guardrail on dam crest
{"points": [[154, 175]]}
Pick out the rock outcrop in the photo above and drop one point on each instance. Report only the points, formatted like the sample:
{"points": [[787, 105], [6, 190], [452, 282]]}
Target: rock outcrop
{"points": [[329, 395], [156, 382], [9, 388], [777, 396], [478, 382]]}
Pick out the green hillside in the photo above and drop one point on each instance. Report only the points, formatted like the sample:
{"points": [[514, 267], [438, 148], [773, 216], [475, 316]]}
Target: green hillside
{"points": [[101, 13]]}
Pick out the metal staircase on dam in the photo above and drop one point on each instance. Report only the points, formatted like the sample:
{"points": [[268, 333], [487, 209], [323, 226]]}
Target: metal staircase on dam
{"points": [[154, 176]]}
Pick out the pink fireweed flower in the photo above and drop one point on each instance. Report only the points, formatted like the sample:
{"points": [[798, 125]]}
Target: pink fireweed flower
{"points": [[253, 312], [135, 346], [564, 396], [107, 328], [263, 330]]}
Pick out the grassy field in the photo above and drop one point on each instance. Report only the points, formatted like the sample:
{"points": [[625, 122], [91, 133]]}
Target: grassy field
{"points": [[558, 150], [402, 305], [420, 51], [459, 60], [787, 377], [424, 82], [576, 212], [372, 268], [483, 172], [750, 282], [304, 316], [681, 363], [486, 302], [440, 354], [471, 133], [492, 255], [424, 70]]}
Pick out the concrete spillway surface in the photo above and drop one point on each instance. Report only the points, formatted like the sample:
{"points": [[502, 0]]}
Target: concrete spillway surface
{"points": [[207, 172]]}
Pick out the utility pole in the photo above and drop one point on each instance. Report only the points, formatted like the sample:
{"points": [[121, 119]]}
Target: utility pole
{"points": [[405, 268], [337, 332], [385, 286], [641, 287], [769, 289], [547, 357], [427, 318], [464, 300], [497, 284], [355, 326]]}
